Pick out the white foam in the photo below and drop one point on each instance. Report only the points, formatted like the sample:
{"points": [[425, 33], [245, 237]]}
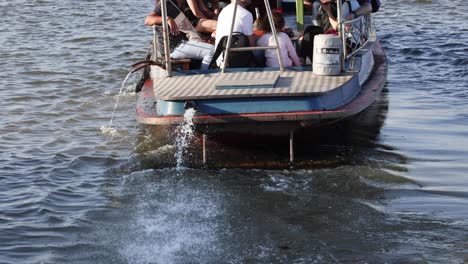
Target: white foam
{"points": [[109, 131], [185, 133], [177, 224]]}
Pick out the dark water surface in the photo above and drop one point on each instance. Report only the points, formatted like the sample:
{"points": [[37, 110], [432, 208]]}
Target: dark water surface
{"points": [[392, 188]]}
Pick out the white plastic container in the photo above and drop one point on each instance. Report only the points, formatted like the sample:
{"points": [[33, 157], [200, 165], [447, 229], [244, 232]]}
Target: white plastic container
{"points": [[327, 55]]}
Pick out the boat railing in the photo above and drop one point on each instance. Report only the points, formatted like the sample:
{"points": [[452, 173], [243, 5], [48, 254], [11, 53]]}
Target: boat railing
{"points": [[357, 33], [165, 53]]}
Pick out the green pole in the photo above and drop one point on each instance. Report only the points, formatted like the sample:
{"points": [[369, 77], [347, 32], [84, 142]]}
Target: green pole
{"points": [[300, 14]]}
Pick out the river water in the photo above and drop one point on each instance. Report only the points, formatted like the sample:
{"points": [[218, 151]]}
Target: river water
{"points": [[392, 187]]}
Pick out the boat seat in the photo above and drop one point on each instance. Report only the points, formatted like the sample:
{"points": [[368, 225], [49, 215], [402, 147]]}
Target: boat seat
{"points": [[184, 64]]}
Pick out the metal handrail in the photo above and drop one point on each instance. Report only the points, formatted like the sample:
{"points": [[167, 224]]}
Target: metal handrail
{"points": [[253, 48], [341, 34], [275, 35], [155, 43], [167, 49], [228, 44], [364, 27]]}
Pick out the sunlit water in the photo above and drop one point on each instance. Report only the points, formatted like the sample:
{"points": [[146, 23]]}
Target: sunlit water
{"points": [[390, 188]]}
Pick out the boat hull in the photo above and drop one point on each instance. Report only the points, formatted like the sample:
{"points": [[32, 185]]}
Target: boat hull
{"points": [[258, 121]]}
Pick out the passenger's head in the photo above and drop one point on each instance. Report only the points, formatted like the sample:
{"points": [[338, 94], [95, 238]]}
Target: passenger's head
{"points": [[278, 20]]}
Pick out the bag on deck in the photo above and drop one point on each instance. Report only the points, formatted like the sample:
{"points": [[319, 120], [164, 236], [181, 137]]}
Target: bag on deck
{"points": [[236, 59], [375, 5]]}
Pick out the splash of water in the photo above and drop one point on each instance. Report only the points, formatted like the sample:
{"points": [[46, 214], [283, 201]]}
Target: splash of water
{"points": [[110, 131], [184, 135]]}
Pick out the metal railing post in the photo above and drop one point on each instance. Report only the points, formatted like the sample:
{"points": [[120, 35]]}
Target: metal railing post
{"points": [[167, 50], [275, 35], [228, 44], [155, 40], [341, 34]]}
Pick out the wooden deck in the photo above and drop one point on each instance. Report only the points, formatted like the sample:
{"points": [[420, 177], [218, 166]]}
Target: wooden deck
{"points": [[217, 85]]}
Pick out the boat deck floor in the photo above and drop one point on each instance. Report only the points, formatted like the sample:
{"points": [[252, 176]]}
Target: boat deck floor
{"points": [[243, 83]]}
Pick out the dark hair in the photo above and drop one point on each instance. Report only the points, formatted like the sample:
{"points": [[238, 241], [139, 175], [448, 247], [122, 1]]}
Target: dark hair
{"points": [[278, 20]]}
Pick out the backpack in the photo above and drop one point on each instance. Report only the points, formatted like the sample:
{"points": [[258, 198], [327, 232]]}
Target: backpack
{"points": [[236, 59], [375, 5]]}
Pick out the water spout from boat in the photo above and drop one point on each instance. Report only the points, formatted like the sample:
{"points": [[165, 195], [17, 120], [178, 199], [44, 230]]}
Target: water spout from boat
{"points": [[109, 130], [185, 133]]}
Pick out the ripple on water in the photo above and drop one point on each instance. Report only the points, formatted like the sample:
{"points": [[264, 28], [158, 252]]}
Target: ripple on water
{"points": [[411, 51]]}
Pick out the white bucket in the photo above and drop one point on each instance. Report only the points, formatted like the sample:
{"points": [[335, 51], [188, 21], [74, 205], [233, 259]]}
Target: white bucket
{"points": [[327, 55]]}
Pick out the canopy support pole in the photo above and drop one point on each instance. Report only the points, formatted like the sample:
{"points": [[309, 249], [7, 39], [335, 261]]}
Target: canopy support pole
{"points": [[228, 44], [300, 15], [167, 50], [341, 32], [275, 34]]}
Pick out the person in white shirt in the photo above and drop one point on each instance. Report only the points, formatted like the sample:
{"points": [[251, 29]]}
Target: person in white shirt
{"points": [[243, 22], [288, 52]]}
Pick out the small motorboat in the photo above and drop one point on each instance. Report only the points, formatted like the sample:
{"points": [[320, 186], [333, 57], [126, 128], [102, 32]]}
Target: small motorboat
{"points": [[338, 84]]}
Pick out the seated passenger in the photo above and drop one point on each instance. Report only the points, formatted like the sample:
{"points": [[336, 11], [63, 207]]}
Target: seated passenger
{"points": [[184, 41], [288, 52], [243, 23], [201, 17], [365, 8], [349, 6], [329, 7]]}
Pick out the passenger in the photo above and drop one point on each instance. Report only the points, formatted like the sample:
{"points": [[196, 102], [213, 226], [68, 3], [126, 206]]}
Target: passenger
{"points": [[184, 41], [201, 17], [288, 52], [212, 6], [243, 22], [329, 7], [365, 8], [348, 6]]}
